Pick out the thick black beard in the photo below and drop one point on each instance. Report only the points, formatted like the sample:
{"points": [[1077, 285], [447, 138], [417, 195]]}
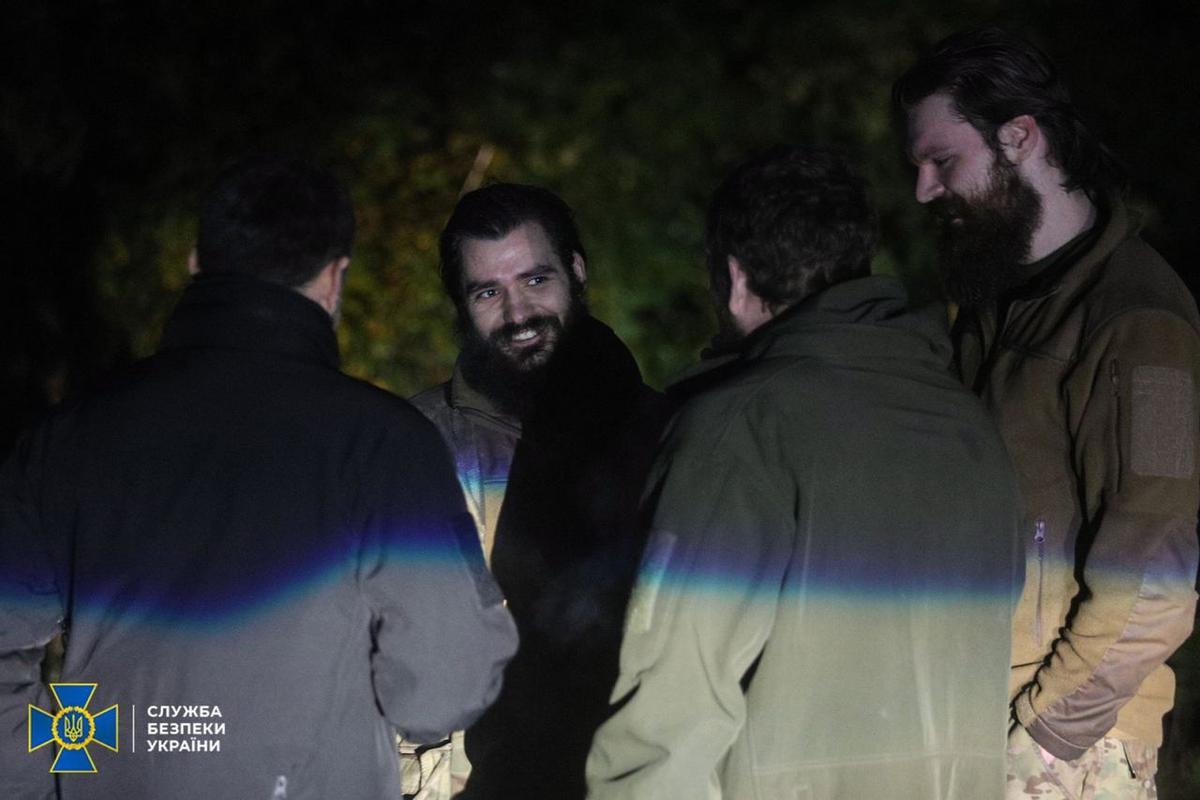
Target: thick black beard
{"points": [[515, 386], [981, 256]]}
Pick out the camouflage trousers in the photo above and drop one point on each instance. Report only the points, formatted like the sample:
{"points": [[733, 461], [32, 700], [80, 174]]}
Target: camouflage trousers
{"points": [[433, 772], [1112, 769]]}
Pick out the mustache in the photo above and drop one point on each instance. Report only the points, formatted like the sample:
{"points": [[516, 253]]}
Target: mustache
{"points": [[505, 333], [947, 209]]}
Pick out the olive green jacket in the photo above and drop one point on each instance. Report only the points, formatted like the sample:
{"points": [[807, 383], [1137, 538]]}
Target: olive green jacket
{"points": [[1091, 380], [824, 606]]}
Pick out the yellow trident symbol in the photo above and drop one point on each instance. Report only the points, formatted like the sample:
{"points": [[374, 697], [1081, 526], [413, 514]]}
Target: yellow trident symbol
{"points": [[73, 727]]}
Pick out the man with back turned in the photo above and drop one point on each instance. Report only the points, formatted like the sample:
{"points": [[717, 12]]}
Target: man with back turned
{"points": [[823, 607], [244, 548]]}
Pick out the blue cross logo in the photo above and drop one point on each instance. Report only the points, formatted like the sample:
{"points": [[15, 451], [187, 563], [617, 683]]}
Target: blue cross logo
{"points": [[73, 728]]}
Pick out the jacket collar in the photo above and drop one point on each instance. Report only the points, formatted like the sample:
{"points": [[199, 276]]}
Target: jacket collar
{"points": [[1077, 260], [864, 317], [463, 395], [240, 312]]}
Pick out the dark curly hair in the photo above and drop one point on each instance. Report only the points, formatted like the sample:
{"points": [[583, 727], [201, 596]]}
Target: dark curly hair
{"points": [[798, 221], [992, 76]]}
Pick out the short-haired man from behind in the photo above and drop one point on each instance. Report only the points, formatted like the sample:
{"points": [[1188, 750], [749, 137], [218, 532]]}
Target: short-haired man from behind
{"points": [[234, 525], [552, 430], [824, 603], [1085, 346]]}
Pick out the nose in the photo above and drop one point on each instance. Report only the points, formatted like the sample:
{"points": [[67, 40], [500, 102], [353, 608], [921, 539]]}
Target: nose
{"points": [[516, 308], [929, 187]]}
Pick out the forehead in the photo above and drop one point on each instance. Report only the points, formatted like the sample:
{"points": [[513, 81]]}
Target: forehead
{"points": [[934, 126], [523, 248]]}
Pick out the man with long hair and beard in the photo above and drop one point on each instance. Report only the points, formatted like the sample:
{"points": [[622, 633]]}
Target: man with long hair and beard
{"points": [[1085, 346], [552, 431]]}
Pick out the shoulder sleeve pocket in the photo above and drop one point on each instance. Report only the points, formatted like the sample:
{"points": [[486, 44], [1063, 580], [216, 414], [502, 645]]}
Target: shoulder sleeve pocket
{"points": [[1163, 424]]}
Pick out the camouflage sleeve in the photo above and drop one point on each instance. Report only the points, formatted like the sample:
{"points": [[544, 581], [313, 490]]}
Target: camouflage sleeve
{"points": [[1132, 401], [30, 616], [702, 609]]}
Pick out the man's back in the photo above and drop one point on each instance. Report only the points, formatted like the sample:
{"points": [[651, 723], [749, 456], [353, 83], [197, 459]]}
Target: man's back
{"points": [[238, 529], [830, 575]]}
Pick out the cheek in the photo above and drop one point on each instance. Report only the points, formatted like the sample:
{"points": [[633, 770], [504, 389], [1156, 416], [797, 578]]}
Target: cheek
{"points": [[970, 180], [557, 302], [484, 320]]}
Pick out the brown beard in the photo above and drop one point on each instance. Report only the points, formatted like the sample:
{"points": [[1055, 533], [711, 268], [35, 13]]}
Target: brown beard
{"points": [[981, 253]]}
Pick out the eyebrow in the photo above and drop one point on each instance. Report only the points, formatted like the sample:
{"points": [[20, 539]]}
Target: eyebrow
{"points": [[927, 151], [539, 269]]}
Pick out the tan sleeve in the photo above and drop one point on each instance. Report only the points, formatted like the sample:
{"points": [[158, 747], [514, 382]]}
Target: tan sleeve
{"points": [[1132, 406]]}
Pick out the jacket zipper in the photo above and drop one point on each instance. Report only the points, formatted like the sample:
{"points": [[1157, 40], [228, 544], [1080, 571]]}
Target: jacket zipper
{"points": [[1114, 377], [1039, 538]]}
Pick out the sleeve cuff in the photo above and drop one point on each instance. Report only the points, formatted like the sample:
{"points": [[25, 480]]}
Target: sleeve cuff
{"points": [[1042, 734]]}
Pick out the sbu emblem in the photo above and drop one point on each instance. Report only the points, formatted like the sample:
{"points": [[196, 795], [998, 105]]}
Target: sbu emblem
{"points": [[73, 728]]}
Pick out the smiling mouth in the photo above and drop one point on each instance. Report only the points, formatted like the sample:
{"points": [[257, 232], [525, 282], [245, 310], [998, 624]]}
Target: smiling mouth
{"points": [[528, 338], [524, 336], [949, 219]]}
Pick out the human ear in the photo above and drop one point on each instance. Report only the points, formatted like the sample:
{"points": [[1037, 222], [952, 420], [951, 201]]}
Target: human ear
{"points": [[748, 309], [579, 268], [1019, 138], [739, 287], [337, 280]]}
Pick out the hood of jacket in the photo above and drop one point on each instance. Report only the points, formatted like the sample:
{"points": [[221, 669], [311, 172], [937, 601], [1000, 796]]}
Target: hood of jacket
{"points": [[862, 318]]}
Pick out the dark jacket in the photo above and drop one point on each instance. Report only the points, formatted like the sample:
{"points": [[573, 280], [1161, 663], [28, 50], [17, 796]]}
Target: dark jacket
{"points": [[1092, 377], [235, 524], [564, 550], [824, 604]]}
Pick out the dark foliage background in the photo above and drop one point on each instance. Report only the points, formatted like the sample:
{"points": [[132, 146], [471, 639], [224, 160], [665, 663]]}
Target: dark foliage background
{"points": [[114, 116]]}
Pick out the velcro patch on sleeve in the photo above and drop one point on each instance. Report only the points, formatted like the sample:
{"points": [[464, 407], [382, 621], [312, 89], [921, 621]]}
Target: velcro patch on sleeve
{"points": [[650, 579], [1164, 420]]}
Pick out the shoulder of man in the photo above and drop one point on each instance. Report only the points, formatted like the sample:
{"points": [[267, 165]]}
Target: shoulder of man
{"points": [[1135, 277], [738, 399], [383, 424], [432, 401]]}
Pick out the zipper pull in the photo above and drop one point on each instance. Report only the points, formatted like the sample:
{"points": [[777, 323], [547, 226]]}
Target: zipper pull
{"points": [[1039, 536]]}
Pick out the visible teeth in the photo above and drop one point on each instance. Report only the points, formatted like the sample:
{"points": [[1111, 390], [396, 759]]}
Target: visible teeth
{"points": [[524, 336]]}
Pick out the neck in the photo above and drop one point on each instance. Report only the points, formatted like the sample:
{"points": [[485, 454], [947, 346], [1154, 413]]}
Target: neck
{"points": [[1065, 215]]}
